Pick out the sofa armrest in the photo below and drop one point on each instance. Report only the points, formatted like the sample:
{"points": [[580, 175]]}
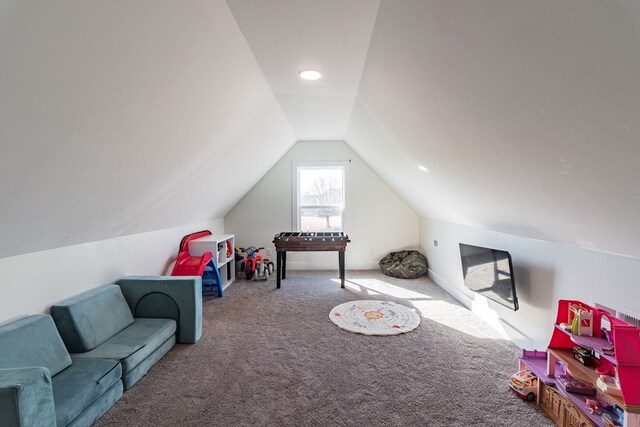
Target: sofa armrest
{"points": [[167, 297], [26, 398]]}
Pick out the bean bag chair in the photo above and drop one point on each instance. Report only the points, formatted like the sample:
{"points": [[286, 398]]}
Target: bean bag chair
{"points": [[404, 264]]}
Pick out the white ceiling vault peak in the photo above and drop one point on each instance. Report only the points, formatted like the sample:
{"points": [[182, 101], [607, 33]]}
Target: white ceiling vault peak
{"points": [[330, 36]]}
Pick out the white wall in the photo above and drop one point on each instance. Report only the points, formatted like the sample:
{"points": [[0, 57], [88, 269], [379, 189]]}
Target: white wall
{"points": [[30, 283], [121, 117], [544, 273], [378, 220]]}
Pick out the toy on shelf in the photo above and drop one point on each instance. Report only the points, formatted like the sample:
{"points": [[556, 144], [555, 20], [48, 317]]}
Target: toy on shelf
{"points": [[574, 385], [580, 319], [583, 355], [609, 385], [524, 384], [594, 405], [606, 369], [221, 252], [613, 416]]}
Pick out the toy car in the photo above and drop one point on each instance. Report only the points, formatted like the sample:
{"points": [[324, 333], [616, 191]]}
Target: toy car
{"points": [[524, 384]]}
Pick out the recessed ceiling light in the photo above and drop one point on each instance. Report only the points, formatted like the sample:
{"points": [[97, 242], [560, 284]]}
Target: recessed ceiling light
{"points": [[310, 74]]}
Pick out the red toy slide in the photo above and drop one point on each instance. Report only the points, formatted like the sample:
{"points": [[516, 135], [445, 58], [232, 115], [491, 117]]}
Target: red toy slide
{"points": [[203, 266], [187, 265], [184, 243]]}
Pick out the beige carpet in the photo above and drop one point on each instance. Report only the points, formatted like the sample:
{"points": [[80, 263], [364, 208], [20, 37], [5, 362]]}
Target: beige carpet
{"points": [[273, 358]]}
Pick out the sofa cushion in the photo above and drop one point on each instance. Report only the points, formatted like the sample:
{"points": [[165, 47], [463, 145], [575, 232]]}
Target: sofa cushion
{"points": [[134, 375], [134, 344], [82, 383], [89, 319], [186, 292], [26, 398], [99, 407], [33, 341]]}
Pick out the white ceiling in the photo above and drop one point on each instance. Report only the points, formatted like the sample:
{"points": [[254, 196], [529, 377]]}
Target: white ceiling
{"points": [[331, 36], [525, 114], [124, 117]]}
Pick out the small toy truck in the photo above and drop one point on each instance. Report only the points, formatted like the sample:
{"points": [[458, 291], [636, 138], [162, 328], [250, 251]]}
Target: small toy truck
{"points": [[524, 384]]}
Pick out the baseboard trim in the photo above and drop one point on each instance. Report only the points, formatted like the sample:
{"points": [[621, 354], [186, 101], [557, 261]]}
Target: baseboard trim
{"points": [[450, 289], [489, 316]]}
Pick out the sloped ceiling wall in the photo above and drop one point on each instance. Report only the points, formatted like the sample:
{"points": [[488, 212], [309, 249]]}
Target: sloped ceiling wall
{"points": [[512, 115], [516, 116], [121, 117]]}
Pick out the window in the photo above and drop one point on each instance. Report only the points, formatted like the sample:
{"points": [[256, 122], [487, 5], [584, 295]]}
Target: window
{"points": [[319, 195]]}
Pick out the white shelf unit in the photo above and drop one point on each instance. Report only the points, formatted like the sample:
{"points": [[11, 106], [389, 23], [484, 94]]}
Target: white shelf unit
{"points": [[226, 265]]}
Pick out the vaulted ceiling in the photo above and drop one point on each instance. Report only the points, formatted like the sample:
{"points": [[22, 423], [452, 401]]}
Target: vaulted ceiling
{"points": [[330, 36], [526, 115], [518, 116]]}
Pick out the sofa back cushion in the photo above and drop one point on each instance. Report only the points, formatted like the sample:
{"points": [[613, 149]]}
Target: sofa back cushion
{"points": [[33, 341], [89, 319]]}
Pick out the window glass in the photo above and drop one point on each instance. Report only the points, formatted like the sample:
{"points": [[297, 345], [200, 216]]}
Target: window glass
{"points": [[320, 197]]}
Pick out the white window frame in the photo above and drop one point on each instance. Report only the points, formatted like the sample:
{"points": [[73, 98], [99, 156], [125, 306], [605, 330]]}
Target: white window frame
{"points": [[295, 178]]}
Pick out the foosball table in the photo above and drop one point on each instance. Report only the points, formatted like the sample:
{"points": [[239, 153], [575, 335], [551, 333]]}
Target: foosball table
{"points": [[298, 241]]}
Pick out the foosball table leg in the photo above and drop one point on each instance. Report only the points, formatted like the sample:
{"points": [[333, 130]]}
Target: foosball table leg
{"points": [[278, 268], [341, 264], [284, 265]]}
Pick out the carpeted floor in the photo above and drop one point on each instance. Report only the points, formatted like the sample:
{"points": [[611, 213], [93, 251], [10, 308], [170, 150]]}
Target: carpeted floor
{"points": [[273, 358]]}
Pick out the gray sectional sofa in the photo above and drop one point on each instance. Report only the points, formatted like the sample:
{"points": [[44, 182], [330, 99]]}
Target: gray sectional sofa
{"points": [[69, 373], [41, 385]]}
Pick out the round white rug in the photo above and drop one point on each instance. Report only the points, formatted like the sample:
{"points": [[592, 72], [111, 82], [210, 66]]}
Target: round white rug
{"points": [[371, 317]]}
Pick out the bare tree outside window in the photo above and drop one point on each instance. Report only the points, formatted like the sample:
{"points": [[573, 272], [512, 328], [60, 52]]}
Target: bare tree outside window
{"points": [[321, 198]]}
